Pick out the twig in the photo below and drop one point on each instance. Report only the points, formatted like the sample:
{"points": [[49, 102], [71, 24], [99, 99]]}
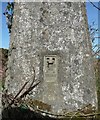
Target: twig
{"points": [[95, 46], [63, 115], [96, 53], [23, 88], [94, 5], [97, 37], [73, 115], [47, 113], [29, 89], [18, 93]]}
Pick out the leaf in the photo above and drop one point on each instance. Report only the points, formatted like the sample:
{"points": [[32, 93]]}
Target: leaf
{"points": [[23, 106], [8, 7]]}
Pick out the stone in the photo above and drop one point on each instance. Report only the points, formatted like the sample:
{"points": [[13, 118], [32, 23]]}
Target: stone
{"points": [[52, 38], [3, 68]]}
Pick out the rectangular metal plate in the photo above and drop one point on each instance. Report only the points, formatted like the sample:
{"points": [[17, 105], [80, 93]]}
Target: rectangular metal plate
{"points": [[50, 68]]}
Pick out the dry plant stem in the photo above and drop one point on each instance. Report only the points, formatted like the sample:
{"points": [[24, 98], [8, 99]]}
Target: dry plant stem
{"points": [[18, 93], [23, 88], [63, 116], [29, 89], [73, 115], [93, 114], [30, 85]]}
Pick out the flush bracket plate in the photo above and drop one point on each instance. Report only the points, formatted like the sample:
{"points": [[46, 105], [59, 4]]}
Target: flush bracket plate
{"points": [[50, 68]]}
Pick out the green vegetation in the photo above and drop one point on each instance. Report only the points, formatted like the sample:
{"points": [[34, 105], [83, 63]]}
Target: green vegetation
{"points": [[9, 11], [26, 114]]}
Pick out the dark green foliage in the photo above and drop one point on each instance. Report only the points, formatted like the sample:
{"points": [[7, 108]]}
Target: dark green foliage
{"points": [[10, 6], [26, 114], [9, 15], [22, 114]]}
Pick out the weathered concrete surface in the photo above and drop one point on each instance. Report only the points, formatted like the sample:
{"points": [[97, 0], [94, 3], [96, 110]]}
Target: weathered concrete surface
{"points": [[3, 66], [41, 29]]}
